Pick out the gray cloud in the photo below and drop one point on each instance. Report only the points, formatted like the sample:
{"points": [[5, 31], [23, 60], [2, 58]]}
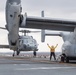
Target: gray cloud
{"points": [[54, 8], [51, 7], [2, 5], [62, 5]]}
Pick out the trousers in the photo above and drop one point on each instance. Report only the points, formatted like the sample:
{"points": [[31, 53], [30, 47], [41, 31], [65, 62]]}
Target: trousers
{"points": [[52, 54]]}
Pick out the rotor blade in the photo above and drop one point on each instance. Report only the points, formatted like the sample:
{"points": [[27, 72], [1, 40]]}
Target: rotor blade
{"points": [[28, 31], [24, 31], [2, 28], [4, 46]]}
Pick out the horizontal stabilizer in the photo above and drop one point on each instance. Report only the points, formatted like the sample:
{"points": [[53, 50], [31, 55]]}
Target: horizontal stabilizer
{"points": [[45, 33], [53, 34], [2, 28], [42, 35], [4, 46]]}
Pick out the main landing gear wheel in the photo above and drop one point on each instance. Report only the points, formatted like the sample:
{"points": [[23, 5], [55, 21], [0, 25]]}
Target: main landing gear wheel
{"points": [[17, 52], [67, 59], [34, 53], [13, 54], [62, 58]]}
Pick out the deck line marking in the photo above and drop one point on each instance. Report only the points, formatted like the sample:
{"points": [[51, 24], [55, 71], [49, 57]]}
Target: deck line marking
{"points": [[45, 68]]}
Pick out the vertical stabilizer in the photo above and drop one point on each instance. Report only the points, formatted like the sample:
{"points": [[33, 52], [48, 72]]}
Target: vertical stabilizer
{"points": [[42, 35], [42, 31]]}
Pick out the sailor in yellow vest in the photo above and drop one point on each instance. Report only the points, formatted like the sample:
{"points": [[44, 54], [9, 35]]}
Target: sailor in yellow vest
{"points": [[52, 51]]}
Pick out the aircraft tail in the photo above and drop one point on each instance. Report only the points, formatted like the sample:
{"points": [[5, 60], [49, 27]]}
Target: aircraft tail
{"points": [[42, 35], [64, 35], [45, 33]]}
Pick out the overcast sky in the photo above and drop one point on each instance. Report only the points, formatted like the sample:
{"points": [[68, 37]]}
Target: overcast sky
{"points": [[64, 9]]}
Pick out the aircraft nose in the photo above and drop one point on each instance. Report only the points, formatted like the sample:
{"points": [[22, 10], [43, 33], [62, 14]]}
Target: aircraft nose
{"points": [[27, 46], [12, 1]]}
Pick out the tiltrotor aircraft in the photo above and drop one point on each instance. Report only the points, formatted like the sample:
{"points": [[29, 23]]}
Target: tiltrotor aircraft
{"points": [[69, 45], [15, 20]]}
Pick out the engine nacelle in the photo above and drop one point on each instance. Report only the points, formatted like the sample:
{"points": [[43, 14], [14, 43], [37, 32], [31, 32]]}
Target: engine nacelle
{"points": [[23, 20]]}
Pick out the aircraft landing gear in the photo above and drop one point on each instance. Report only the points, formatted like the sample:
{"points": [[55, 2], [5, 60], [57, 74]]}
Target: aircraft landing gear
{"points": [[13, 54], [62, 58], [67, 59], [34, 53], [18, 52]]}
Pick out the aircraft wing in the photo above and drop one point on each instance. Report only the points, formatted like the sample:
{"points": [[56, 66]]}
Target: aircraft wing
{"points": [[46, 23], [4, 46], [64, 35], [53, 34]]}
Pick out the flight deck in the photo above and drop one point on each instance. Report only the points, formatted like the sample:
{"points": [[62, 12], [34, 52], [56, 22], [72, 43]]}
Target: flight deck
{"points": [[29, 65]]}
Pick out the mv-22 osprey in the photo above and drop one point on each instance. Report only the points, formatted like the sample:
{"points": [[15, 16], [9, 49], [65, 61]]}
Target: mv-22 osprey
{"points": [[15, 20], [68, 49]]}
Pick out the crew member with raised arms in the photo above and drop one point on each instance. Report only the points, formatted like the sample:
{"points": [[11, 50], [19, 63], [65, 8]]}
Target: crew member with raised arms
{"points": [[52, 51]]}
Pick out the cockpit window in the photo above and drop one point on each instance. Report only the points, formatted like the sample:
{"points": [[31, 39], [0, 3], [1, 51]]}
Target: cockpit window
{"points": [[26, 41], [22, 41], [17, 1]]}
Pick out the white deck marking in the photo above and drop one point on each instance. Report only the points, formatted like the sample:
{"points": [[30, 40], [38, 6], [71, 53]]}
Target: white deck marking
{"points": [[45, 68], [21, 64]]}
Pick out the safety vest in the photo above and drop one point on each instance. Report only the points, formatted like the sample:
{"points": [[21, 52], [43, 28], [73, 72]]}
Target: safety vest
{"points": [[52, 48]]}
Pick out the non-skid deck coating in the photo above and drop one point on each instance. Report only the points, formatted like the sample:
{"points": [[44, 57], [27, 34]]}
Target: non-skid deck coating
{"points": [[29, 65]]}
